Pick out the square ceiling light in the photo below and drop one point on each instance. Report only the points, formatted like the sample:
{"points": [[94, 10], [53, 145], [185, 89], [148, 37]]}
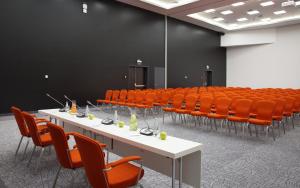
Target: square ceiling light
{"points": [[168, 4]]}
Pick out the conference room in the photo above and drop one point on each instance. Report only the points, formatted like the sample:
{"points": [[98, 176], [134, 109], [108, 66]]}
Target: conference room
{"points": [[150, 93]]}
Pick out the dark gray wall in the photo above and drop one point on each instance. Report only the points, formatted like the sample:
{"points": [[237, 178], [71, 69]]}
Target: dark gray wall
{"points": [[85, 54], [190, 49]]}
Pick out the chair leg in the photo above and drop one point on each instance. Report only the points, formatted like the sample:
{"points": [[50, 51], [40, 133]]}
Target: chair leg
{"points": [[235, 128], [272, 127], [31, 155], [19, 145], [283, 126], [215, 121], [256, 131], [56, 177], [39, 160], [249, 128], [24, 154], [292, 119], [163, 117]]}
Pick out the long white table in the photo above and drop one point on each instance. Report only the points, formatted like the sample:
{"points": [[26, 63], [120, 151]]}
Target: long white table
{"points": [[160, 155]]}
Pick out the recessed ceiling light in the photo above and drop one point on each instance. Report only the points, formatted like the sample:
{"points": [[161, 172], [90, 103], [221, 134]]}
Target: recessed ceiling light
{"points": [[297, 3], [253, 12], [218, 19], [280, 12], [238, 4], [233, 25], [266, 19], [242, 19], [267, 3], [210, 11], [226, 12], [168, 4]]}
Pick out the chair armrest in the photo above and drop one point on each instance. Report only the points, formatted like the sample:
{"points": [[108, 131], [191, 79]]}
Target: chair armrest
{"points": [[38, 121], [124, 160]]}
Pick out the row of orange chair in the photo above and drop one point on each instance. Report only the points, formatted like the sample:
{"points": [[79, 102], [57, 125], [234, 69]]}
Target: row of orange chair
{"points": [[116, 174]]}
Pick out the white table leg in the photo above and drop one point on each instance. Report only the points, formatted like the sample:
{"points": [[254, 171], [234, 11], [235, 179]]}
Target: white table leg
{"points": [[173, 172], [180, 172]]}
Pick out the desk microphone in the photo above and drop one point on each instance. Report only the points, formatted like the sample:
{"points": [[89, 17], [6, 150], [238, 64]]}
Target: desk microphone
{"points": [[80, 115], [106, 121], [62, 109]]}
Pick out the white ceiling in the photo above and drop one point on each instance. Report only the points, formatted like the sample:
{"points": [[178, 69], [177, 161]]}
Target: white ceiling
{"points": [[193, 11]]}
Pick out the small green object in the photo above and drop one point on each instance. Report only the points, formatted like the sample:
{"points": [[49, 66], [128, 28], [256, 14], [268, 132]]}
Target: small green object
{"points": [[133, 123], [121, 124], [91, 116], [163, 135]]}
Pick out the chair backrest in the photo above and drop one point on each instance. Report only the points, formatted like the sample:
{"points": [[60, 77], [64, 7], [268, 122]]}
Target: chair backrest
{"points": [[139, 97], [33, 130], [243, 107], [222, 105], [289, 104], [150, 98], [177, 101], [165, 98], [206, 103], [279, 107], [60, 144], [115, 95], [20, 121], [108, 94], [190, 101], [93, 160], [131, 96], [264, 110], [123, 95]]}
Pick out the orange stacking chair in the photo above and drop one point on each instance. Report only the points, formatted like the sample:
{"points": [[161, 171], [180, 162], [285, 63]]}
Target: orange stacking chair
{"points": [[107, 99], [139, 99], [115, 97], [118, 174], [190, 105], [288, 109], [254, 105], [130, 98], [164, 100], [24, 131], [222, 109], [205, 107], [67, 158], [121, 99], [232, 107], [278, 113], [148, 104], [241, 114], [39, 139], [264, 113], [176, 104]]}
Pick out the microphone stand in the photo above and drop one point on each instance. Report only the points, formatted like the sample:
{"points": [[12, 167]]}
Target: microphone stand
{"points": [[62, 109]]}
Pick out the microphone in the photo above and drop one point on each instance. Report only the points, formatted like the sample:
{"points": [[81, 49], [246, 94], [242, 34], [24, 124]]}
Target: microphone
{"points": [[62, 109], [106, 121], [80, 115]]}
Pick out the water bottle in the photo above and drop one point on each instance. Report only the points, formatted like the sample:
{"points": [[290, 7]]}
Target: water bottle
{"points": [[116, 117], [87, 111]]}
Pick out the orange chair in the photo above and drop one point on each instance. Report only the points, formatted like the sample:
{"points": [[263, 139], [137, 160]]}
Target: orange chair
{"points": [[288, 110], [264, 113], [40, 139], [148, 104], [278, 113], [68, 158], [222, 109], [176, 104], [107, 99], [190, 105], [122, 98], [205, 107], [130, 98], [24, 131], [118, 174], [241, 114]]}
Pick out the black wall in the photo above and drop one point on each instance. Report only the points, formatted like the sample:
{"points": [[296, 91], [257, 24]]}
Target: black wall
{"points": [[85, 54], [190, 49]]}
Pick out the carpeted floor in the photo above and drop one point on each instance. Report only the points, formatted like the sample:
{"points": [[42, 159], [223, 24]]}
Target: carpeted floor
{"points": [[228, 160]]}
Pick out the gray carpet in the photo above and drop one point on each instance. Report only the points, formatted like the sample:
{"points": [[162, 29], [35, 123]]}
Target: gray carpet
{"points": [[228, 160]]}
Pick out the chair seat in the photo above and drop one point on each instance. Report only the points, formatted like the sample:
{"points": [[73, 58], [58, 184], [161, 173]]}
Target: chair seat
{"points": [[198, 113], [231, 112], [75, 158], [277, 118], [130, 104], [259, 122], [253, 115], [237, 119], [217, 116], [288, 114], [46, 139], [142, 106], [42, 128], [124, 175], [183, 111], [169, 109], [121, 103]]}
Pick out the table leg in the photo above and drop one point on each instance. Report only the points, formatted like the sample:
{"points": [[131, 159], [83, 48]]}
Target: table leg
{"points": [[180, 172], [173, 172], [55, 121], [63, 124]]}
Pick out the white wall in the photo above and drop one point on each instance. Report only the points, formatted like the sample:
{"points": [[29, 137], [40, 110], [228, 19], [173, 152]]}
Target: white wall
{"points": [[267, 65]]}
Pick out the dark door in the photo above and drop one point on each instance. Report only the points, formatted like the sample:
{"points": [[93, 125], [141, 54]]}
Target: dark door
{"points": [[207, 78], [138, 77]]}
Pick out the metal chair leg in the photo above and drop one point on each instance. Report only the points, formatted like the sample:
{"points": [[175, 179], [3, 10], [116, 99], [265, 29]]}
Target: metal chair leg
{"points": [[24, 154], [249, 128], [56, 177], [273, 132], [31, 155], [283, 126], [18, 147], [39, 160]]}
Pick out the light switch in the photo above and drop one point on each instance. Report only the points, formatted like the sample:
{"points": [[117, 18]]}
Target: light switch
{"points": [[46, 76]]}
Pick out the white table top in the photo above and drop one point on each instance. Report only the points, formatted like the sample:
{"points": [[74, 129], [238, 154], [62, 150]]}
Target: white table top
{"points": [[172, 147]]}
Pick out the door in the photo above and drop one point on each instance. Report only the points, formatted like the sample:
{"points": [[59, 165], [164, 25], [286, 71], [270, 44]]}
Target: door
{"points": [[207, 78], [138, 77]]}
